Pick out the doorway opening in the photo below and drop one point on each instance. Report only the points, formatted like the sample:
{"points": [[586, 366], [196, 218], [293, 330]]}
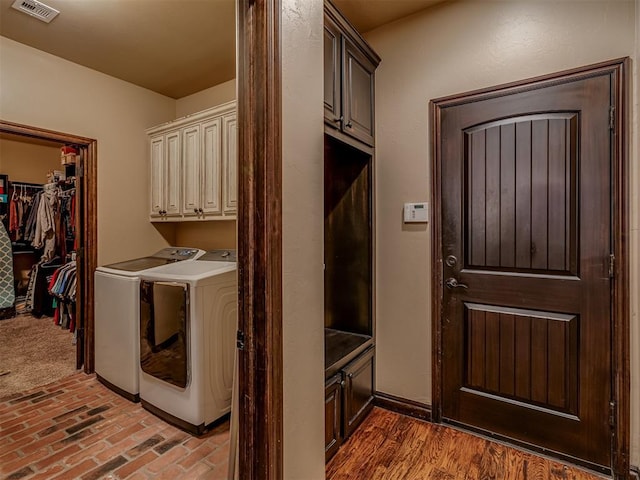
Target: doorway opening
{"points": [[52, 278]]}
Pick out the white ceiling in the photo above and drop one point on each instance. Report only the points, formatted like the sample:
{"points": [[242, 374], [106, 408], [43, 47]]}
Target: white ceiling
{"points": [[173, 47]]}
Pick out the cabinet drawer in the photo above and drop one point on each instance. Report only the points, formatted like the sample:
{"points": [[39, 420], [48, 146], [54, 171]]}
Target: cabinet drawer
{"points": [[358, 390]]}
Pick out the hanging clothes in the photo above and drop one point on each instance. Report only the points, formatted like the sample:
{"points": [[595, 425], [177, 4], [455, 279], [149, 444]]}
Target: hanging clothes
{"points": [[49, 225], [62, 287], [39, 302], [45, 234], [30, 224], [19, 208], [65, 226], [14, 221]]}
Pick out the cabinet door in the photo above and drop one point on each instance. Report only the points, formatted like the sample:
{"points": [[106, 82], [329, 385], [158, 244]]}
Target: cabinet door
{"points": [[158, 175], [358, 390], [358, 94], [230, 163], [332, 415], [332, 67], [191, 170], [172, 186], [211, 181]]}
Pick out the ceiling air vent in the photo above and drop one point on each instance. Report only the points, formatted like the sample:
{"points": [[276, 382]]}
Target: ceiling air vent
{"points": [[36, 9]]}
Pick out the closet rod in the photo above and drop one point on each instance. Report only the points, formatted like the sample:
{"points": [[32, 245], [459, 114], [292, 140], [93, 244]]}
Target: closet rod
{"points": [[28, 185]]}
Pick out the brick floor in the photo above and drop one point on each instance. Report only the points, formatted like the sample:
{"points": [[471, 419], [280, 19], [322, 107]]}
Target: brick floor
{"points": [[76, 428]]}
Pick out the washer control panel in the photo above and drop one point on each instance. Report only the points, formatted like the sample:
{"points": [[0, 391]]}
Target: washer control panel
{"points": [[178, 253]]}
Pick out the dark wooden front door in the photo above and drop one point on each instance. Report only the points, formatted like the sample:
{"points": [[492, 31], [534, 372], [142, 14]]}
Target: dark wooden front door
{"points": [[526, 242]]}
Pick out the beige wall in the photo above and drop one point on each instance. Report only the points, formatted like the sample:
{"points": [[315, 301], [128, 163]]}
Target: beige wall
{"points": [[302, 238], [456, 47], [222, 93], [45, 91], [26, 162], [207, 235]]}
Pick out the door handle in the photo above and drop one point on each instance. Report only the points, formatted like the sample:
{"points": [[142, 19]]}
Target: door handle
{"points": [[453, 283]]}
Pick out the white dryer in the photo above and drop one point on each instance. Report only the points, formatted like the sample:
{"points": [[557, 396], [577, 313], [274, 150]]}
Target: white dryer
{"points": [[116, 310], [188, 325]]}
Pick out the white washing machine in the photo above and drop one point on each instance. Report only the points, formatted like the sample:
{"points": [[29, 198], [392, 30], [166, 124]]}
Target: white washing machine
{"points": [[116, 309], [188, 325]]}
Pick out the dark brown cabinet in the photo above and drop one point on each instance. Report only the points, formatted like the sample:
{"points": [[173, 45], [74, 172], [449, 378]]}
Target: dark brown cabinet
{"points": [[348, 400], [357, 391], [349, 65], [349, 73], [332, 415], [332, 73]]}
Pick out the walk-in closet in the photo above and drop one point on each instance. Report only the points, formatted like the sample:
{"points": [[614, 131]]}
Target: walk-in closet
{"points": [[38, 248]]}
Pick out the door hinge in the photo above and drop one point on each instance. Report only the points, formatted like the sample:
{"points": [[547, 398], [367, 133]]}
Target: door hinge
{"points": [[612, 265], [612, 117], [612, 414], [240, 340]]}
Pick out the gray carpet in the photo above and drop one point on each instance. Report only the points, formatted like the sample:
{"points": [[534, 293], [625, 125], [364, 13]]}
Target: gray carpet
{"points": [[33, 352]]}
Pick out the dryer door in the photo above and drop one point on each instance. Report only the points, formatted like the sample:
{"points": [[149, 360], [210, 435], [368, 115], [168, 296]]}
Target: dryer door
{"points": [[164, 331]]}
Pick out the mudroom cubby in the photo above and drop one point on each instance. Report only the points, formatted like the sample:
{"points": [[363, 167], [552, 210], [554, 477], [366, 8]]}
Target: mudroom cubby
{"points": [[349, 318], [348, 285]]}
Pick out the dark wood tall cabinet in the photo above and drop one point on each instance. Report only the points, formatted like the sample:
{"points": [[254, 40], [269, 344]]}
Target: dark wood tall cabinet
{"points": [[349, 75], [349, 66]]}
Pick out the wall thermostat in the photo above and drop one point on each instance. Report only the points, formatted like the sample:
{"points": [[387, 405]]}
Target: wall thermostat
{"points": [[416, 212]]}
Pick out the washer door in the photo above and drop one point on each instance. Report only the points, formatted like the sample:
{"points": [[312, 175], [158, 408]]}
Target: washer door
{"points": [[164, 323]]}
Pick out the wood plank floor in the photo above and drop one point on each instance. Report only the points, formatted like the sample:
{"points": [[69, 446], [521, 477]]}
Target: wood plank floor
{"points": [[390, 446]]}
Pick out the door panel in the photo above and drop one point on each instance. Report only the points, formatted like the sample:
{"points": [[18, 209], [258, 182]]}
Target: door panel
{"points": [[230, 163], [358, 94], [173, 195], [509, 167], [528, 347], [211, 182], [191, 174], [332, 59], [158, 174], [526, 229]]}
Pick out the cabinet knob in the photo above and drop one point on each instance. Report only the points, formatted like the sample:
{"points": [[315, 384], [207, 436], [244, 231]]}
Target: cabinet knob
{"points": [[200, 211], [342, 383], [338, 119], [349, 124], [195, 210]]}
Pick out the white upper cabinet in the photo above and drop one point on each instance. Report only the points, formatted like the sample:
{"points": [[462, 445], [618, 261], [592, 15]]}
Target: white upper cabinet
{"points": [[158, 175], [230, 163], [165, 174], [194, 166], [211, 181], [191, 170]]}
